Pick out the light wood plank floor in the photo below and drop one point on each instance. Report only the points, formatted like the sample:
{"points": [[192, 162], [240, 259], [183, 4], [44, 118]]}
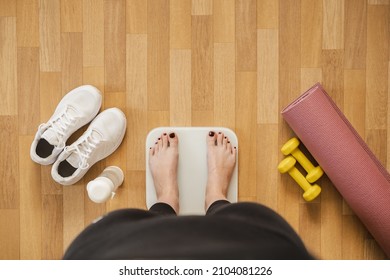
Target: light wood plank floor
{"points": [[187, 63]]}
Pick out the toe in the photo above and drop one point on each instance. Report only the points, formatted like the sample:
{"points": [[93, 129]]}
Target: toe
{"points": [[225, 142], [159, 142], [164, 140], [211, 138], [173, 139], [151, 151], [229, 146], [156, 147], [220, 139]]}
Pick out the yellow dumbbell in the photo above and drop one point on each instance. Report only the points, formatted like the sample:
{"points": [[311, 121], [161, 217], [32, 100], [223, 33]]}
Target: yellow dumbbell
{"points": [[288, 165], [313, 172]]}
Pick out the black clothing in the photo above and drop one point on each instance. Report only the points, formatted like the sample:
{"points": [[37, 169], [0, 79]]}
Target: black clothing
{"points": [[227, 231]]}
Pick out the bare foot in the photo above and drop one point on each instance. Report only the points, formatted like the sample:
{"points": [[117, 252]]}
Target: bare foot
{"points": [[163, 160], [221, 159]]}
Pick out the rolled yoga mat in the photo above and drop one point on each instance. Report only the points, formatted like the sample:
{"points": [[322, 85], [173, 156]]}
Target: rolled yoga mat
{"points": [[346, 159]]}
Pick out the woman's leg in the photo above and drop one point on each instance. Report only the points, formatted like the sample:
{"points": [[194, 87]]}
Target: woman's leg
{"points": [[163, 161], [221, 160]]}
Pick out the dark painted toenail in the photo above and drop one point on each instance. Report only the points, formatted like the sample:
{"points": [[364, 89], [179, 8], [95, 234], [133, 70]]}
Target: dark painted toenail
{"points": [[219, 132], [155, 143], [225, 137], [164, 134], [172, 135], [235, 147], [211, 133], [228, 142]]}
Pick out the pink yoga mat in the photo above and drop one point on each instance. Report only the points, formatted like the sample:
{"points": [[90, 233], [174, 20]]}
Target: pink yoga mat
{"points": [[345, 158]]}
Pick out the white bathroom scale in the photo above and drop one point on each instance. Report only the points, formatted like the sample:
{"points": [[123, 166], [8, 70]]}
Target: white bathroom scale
{"points": [[192, 167]]}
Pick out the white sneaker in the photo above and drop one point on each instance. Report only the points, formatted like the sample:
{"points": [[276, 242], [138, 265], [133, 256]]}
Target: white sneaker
{"points": [[77, 108], [102, 138]]}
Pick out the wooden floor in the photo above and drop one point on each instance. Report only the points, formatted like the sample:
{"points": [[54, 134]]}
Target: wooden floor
{"points": [[187, 63]]}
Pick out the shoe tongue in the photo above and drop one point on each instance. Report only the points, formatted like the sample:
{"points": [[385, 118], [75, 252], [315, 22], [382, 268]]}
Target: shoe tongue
{"points": [[74, 158]]}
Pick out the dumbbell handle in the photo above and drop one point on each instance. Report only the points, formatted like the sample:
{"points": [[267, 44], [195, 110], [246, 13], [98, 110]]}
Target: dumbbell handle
{"points": [[302, 159], [299, 178]]}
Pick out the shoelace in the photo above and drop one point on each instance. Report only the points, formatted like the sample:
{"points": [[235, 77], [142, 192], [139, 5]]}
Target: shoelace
{"points": [[84, 150], [59, 126]]}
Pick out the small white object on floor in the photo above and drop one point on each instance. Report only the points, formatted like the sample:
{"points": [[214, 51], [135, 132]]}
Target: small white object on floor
{"points": [[192, 167], [104, 186]]}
